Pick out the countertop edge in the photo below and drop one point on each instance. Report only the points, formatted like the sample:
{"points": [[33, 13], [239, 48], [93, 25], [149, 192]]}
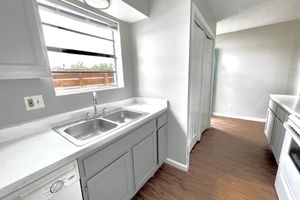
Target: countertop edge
{"points": [[277, 99]]}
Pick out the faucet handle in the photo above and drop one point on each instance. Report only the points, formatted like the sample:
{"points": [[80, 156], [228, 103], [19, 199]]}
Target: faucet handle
{"points": [[87, 115], [103, 110]]}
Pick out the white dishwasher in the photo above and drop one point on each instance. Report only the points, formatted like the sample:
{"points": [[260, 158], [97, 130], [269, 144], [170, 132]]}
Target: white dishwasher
{"points": [[62, 184]]}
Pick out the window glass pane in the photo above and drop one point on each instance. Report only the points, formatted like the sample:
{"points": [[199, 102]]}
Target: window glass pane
{"points": [[73, 62], [77, 34], [56, 37], [53, 18]]}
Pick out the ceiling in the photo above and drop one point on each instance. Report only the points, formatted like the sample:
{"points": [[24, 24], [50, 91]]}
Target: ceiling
{"points": [[235, 15]]}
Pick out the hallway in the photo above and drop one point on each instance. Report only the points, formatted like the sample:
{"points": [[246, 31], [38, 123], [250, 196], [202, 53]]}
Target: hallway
{"points": [[232, 162]]}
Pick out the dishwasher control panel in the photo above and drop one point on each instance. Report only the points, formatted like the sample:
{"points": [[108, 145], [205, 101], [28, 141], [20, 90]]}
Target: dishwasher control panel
{"points": [[59, 184], [53, 186]]}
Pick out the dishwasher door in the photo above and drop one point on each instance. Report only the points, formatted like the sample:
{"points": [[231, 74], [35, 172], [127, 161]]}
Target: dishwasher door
{"points": [[61, 184], [72, 192]]}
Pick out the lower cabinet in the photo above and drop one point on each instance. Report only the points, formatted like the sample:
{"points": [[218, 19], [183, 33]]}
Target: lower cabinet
{"points": [[115, 182], [269, 125], [162, 144], [144, 160], [277, 138], [118, 170], [274, 129]]}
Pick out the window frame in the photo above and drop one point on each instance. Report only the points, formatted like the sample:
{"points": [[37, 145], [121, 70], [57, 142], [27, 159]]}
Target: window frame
{"points": [[116, 34]]}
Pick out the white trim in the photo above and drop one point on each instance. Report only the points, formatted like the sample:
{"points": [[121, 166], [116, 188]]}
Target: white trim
{"points": [[256, 119], [177, 165], [196, 11], [194, 142], [80, 90]]}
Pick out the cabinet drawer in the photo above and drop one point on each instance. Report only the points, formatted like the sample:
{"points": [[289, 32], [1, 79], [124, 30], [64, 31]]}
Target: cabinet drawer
{"points": [[272, 105], [162, 120], [281, 114], [103, 157]]}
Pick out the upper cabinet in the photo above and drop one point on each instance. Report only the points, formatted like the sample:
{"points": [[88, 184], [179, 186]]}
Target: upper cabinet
{"points": [[22, 51]]}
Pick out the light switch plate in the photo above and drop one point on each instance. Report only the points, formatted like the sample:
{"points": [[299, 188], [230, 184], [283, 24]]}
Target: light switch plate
{"points": [[34, 102]]}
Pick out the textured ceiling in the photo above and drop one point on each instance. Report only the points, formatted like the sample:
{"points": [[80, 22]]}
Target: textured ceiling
{"points": [[235, 15]]}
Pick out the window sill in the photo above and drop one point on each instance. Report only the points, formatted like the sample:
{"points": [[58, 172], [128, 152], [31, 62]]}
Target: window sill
{"points": [[62, 92]]}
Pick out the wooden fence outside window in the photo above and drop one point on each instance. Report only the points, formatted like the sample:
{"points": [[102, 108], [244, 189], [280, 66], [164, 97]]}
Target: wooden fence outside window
{"points": [[81, 79]]}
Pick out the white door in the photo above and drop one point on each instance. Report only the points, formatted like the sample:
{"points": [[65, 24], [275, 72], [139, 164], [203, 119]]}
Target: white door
{"points": [[195, 82], [206, 85]]}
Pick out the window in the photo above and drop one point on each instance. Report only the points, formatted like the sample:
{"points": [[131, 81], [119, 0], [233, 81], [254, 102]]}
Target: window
{"points": [[83, 48]]}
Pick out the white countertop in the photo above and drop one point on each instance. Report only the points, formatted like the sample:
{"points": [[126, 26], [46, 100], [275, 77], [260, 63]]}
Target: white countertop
{"points": [[26, 159], [288, 102]]}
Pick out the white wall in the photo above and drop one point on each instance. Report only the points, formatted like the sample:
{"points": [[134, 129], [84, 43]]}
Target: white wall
{"points": [[293, 86], [254, 63], [12, 107], [162, 50], [162, 65]]}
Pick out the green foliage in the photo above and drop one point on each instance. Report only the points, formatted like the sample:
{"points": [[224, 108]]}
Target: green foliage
{"points": [[57, 68], [80, 66], [102, 67]]}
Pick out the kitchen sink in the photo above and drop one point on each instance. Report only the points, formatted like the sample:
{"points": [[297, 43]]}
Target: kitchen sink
{"points": [[123, 116], [83, 132], [90, 129]]}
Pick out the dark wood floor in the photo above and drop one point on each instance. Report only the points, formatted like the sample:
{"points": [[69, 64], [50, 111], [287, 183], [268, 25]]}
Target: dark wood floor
{"points": [[232, 161]]}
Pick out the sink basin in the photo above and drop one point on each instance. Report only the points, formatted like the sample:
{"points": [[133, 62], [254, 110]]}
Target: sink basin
{"points": [[83, 132], [123, 116]]}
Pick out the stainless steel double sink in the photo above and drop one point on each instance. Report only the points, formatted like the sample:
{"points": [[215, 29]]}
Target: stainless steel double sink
{"points": [[84, 131]]}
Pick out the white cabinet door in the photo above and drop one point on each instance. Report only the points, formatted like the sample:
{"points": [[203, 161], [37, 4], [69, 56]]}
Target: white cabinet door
{"points": [[115, 182], [277, 138], [144, 160], [162, 144], [269, 125], [22, 51]]}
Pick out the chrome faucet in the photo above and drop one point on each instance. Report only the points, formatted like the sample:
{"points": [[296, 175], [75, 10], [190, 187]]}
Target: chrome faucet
{"points": [[95, 101]]}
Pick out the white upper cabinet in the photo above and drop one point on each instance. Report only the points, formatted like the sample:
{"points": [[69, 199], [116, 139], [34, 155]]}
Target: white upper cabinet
{"points": [[22, 51]]}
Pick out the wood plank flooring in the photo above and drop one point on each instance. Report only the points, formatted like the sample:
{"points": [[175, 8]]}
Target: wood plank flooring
{"points": [[232, 162]]}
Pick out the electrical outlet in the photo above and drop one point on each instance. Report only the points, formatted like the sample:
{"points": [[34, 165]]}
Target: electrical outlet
{"points": [[34, 102]]}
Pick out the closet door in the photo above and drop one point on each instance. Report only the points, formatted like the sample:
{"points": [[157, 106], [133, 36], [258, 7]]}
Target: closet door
{"points": [[206, 84], [195, 88]]}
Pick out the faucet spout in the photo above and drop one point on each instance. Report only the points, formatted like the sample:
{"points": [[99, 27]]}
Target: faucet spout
{"points": [[95, 101]]}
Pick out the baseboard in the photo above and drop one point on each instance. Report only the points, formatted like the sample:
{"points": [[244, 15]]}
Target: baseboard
{"points": [[177, 165], [256, 119]]}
